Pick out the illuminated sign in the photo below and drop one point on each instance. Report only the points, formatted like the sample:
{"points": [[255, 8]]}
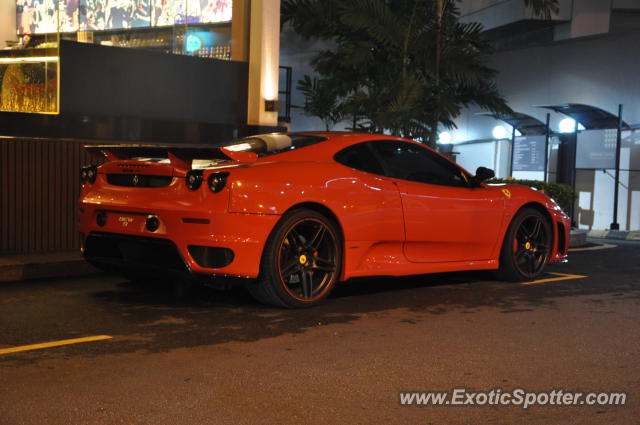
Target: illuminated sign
{"points": [[596, 149], [49, 16], [193, 43], [528, 153]]}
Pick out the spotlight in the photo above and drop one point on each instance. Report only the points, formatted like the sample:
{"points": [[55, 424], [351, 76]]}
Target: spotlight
{"points": [[444, 137], [568, 125], [499, 132]]}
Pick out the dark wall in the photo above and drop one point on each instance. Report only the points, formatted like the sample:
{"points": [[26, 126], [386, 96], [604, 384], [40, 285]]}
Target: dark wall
{"points": [[122, 129], [86, 127], [118, 82]]}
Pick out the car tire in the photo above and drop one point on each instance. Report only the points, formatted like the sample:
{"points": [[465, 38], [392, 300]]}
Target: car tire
{"points": [[301, 262], [526, 247]]}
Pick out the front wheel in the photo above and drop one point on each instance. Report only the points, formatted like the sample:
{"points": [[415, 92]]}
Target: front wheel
{"points": [[526, 247], [301, 262]]}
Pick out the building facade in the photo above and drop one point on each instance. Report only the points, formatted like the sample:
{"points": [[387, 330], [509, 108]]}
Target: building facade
{"points": [[584, 55]]}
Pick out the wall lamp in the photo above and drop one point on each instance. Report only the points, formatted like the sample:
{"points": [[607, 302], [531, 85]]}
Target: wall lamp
{"points": [[271, 105]]}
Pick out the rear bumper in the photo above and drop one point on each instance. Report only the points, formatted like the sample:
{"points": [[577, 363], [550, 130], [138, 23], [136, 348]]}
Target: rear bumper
{"points": [[111, 249], [136, 256], [223, 244]]}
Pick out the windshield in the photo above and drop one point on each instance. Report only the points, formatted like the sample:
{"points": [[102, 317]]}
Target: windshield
{"points": [[271, 144]]}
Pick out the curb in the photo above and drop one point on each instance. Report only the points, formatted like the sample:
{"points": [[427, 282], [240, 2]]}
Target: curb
{"points": [[42, 266], [614, 234], [577, 238]]}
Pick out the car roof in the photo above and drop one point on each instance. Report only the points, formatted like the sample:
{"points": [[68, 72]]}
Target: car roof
{"points": [[325, 149], [341, 139], [335, 142]]}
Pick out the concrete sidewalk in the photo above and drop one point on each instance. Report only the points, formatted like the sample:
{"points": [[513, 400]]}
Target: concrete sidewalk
{"points": [[41, 266], [614, 234]]}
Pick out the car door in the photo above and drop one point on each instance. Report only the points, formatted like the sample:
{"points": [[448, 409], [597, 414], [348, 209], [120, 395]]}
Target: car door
{"points": [[446, 218], [373, 199]]}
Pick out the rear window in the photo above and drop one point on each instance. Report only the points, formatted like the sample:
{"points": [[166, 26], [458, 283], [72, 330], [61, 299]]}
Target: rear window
{"points": [[271, 144]]}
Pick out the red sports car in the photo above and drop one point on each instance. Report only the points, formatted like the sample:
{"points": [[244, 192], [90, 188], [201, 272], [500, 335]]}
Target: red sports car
{"points": [[292, 214]]}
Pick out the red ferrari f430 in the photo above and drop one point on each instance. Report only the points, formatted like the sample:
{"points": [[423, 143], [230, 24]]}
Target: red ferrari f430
{"points": [[290, 215]]}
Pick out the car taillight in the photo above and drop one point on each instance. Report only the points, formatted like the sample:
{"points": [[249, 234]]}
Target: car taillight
{"points": [[88, 174], [217, 181], [194, 179]]}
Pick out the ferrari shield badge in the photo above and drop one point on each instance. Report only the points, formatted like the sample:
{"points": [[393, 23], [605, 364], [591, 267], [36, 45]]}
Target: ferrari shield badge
{"points": [[507, 193]]}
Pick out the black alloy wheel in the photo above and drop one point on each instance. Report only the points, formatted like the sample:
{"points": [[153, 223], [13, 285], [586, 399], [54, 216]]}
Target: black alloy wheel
{"points": [[301, 262], [527, 246]]}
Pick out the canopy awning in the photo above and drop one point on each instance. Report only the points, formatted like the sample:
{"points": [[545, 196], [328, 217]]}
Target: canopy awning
{"points": [[525, 124], [590, 117]]}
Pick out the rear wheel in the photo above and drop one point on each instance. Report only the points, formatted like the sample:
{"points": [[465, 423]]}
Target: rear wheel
{"points": [[301, 262], [526, 247]]}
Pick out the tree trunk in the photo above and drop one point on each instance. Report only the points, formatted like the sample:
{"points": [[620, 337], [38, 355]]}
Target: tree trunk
{"points": [[436, 119]]}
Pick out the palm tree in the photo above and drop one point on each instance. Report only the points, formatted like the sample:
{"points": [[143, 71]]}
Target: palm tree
{"points": [[321, 100], [399, 66]]}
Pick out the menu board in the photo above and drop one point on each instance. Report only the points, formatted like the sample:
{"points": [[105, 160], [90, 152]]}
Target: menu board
{"points": [[47, 16], [528, 153], [596, 149]]}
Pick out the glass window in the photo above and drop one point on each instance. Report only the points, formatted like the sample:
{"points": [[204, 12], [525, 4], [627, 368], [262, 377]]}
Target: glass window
{"points": [[361, 158], [29, 79], [407, 161]]}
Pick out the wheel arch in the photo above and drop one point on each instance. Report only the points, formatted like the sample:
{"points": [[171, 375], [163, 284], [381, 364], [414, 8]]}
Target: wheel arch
{"points": [[327, 212], [321, 209], [268, 294], [508, 269], [545, 212]]}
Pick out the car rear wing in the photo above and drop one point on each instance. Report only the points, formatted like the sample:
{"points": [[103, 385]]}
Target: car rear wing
{"points": [[180, 155]]}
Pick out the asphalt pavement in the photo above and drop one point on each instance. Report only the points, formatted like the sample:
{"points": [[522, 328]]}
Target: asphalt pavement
{"points": [[220, 358]]}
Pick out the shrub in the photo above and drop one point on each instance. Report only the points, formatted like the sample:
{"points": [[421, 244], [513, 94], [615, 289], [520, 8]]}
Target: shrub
{"points": [[561, 193]]}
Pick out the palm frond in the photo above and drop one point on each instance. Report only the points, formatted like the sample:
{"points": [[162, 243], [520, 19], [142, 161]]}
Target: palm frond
{"points": [[410, 91], [543, 8], [376, 18]]}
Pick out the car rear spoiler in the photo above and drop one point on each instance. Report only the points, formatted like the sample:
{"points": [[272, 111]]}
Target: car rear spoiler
{"points": [[180, 155]]}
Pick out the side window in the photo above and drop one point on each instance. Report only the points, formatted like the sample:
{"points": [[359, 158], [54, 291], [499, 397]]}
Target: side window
{"points": [[407, 161], [359, 157]]}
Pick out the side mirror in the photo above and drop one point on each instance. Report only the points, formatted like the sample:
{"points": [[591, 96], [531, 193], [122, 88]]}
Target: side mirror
{"points": [[483, 173]]}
